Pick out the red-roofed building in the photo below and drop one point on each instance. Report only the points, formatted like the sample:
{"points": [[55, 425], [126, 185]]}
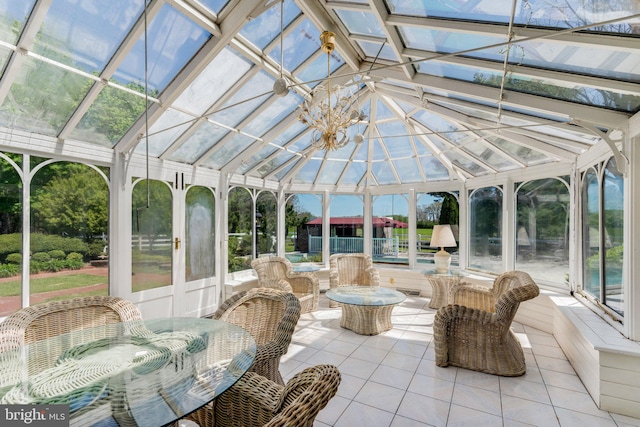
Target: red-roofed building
{"points": [[346, 226]]}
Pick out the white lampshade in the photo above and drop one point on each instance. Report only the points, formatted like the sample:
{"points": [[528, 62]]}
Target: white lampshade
{"points": [[442, 237]]}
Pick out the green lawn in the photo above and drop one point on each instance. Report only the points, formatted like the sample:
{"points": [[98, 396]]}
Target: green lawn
{"points": [[49, 284]]}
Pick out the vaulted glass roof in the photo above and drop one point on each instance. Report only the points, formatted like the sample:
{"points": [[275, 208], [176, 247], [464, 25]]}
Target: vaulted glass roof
{"points": [[448, 90]]}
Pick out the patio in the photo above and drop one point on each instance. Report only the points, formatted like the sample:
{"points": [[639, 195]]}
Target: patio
{"points": [[391, 379]]}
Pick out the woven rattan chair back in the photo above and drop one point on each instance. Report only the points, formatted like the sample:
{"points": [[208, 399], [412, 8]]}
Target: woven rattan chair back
{"points": [[256, 401], [352, 270], [478, 335], [270, 316], [53, 318], [271, 270]]}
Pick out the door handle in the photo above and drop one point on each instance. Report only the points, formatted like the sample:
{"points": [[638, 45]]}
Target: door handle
{"points": [[177, 243]]}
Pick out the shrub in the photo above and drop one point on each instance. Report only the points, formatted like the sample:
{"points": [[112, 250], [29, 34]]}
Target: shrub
{"points": [[74, 261], [56, 254], [14, 258], [9, 270], [40, 257], [12, 243], [95, 249], [74, 256], [55, 265]]}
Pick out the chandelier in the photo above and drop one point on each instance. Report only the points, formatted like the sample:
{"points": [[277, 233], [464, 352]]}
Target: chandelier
{"points": [[330, 110]]}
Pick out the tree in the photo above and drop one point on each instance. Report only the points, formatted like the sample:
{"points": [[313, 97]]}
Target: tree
{"points": [[74, 201]]}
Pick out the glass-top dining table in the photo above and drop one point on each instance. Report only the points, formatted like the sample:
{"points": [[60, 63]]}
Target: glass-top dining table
{"points": [[137, 373]]}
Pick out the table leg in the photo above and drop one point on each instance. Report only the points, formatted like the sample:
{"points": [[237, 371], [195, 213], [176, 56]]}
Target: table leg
{"points": [[366, 319]]}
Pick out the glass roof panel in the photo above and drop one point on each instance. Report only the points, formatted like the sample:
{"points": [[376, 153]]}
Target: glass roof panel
{"points": [[308, 172], [395, 139], [383, 112], [173, 40], [5, 54], [13, 15], [98, 125], [214, 6], [291, 132], [228, 151], [85, 33], [433, 169], [273, 163], [245, 100], [273, 115], [372, 50], [383, 173], [526, 155], [448, 42], [331, 171], [362, 152], [408, 170], [213, 82], [353, 173], [164, 131], [567, 14], [316, 72], [42, 98], [204, 138], [489, 156], [466, 164], [298, 45], [279, 176], [583, 59], [378, 150], [264, 28], [361, 22]]}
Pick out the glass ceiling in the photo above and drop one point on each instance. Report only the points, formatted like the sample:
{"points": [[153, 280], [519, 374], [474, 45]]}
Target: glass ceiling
{"points": [[450, 90]]}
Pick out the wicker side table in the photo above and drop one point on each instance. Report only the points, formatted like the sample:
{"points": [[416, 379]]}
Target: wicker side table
{"points": [[441, 284]]}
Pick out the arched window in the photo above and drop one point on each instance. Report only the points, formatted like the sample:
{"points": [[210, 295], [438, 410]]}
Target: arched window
{"points": [[200, 233], [542, 229], [485, 229], [151, 233]]}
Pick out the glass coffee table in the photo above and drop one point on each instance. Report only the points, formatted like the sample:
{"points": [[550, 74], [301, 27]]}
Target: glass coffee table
{"points": [[366, 310]]}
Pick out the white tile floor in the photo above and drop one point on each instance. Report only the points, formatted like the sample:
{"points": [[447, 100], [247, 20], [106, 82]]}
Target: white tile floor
{"points": [[391, 379]]}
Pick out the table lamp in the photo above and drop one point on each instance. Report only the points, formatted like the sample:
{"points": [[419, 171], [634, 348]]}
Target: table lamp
{"points": [[442, 237]]}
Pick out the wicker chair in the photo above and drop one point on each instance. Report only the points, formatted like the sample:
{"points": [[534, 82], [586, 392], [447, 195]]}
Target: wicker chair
{"points": [[478, 335], [270, 316], [256, 401], [351, 270], [49, 319], [305, 286]]}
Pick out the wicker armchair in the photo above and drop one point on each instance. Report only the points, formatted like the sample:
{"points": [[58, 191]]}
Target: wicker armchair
{"points": [[270, 316], [49, 319], [351, 270], [305, 286], [256, 401], [478, 335]]}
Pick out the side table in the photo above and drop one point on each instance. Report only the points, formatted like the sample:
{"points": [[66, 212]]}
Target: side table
{"points": [[441, 284]]}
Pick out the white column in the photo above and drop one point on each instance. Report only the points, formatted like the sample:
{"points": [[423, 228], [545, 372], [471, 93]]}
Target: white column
{"points": [[411, 228]]}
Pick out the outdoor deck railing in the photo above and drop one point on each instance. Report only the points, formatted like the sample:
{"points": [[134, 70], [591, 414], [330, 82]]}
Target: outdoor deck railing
{"points": [[382, 246]]}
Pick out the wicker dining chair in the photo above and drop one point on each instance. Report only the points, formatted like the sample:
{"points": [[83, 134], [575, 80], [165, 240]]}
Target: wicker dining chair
{"points": [[270, 316], [52, 318], [305, 286], [478, 335], [257, 401], [351, 270]]}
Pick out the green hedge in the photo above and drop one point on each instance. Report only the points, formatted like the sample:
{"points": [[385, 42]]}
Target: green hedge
{"points": [[12, 243]]}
